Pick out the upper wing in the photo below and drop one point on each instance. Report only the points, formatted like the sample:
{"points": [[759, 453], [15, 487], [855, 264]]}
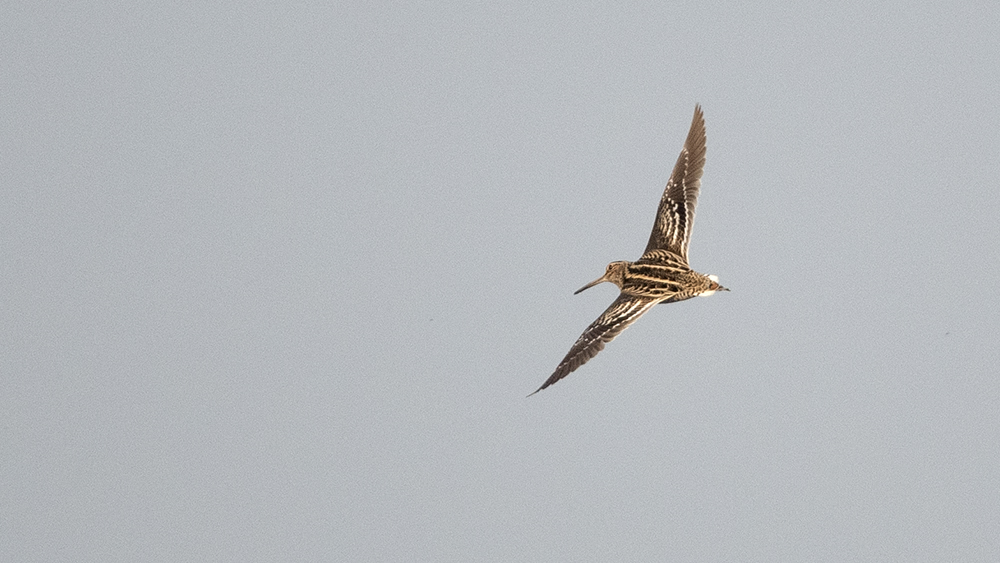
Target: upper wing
{"points": [[623, 312], [675, 217]]}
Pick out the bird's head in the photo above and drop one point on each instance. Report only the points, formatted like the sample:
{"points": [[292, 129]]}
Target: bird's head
{"points": [[615, 273]]}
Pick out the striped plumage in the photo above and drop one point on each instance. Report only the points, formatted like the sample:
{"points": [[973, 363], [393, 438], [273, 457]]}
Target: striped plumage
{"points": [[662, 274]]}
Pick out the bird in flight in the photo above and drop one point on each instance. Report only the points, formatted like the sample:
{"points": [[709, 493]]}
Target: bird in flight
{"points": [[662, 274]]}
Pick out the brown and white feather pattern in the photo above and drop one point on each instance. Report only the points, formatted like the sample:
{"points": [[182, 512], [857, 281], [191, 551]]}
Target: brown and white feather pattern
{"points": [[675, 215], [623, 312], [662, 274]]}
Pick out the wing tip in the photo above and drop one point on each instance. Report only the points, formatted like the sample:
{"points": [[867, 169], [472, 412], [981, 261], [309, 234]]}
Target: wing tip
{"points": [[698, 117], [552, 379], [697, 132]]}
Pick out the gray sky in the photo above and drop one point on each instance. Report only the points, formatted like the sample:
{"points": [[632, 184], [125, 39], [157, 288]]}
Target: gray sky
{"points": [[277, 279]]}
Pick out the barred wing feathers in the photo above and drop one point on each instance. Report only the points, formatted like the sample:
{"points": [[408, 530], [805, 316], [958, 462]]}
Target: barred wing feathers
{"points": [[675, 216], [623, 312]]}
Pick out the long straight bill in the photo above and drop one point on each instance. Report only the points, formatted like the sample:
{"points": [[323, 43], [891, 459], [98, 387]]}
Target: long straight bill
{"points": [[590, 285]]}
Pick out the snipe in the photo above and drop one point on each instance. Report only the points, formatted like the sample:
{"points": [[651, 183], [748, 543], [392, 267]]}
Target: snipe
{"points": [[662, 274]]}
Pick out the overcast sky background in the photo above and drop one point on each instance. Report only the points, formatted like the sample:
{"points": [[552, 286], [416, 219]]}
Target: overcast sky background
{"points": [[277, 278]]}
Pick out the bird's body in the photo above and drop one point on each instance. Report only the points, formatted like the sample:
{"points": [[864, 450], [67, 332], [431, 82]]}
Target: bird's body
{"points": [[662, 274]]}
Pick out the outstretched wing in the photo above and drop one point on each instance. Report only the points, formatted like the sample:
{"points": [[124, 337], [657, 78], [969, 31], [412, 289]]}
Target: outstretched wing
{"points": [[623, 312], [675, 217]]}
